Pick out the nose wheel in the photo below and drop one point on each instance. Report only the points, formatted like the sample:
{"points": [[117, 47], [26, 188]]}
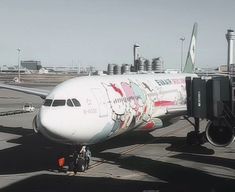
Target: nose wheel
{"points": [[80, 160]]}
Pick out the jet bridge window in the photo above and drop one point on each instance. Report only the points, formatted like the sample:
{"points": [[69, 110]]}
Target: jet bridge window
{"points": [[76, 102], [48, 102], [58, 102]]}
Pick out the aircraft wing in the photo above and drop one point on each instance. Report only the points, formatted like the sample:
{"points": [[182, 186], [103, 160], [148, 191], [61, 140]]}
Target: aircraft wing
{"points": [[38, 92]]}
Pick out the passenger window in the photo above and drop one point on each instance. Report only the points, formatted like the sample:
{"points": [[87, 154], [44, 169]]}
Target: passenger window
{"points": [[76, 102], [47, 102], [58, 103], [69, 103]]}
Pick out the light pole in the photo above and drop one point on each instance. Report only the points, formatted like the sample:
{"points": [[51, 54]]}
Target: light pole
{"points": [[230, 36], [182, 51], [79, 67], [18, 64]]}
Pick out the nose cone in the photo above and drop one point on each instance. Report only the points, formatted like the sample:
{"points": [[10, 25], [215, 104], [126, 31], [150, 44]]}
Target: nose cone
{"points": [[54, 125]]}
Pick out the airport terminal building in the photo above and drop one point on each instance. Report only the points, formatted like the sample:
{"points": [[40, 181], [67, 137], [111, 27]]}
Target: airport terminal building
{"points": [[31, 65]]}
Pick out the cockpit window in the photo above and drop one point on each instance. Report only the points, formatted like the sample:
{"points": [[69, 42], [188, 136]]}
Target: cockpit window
{"points": [[69, 103], [47, 102], [76, 102], [58, 103]]}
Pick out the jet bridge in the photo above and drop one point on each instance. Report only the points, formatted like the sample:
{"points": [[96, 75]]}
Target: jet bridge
{"points": [[214, 100]]}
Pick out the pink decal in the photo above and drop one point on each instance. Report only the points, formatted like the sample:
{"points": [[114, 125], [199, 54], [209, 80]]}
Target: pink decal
{"points": [[163, 103], [131, 95], [145, 109], [149, 125], [117, 89], [128, 90]]}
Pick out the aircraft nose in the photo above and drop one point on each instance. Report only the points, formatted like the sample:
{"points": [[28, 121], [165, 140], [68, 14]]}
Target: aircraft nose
{"points": [[54, 126]]}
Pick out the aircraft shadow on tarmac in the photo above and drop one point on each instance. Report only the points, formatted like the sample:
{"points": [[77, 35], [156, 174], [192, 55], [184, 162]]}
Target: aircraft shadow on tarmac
{"points": [[16, 130], [217, 161], [59, 183], [36, 153], [176, 144], [173, 178], [178, 178]]}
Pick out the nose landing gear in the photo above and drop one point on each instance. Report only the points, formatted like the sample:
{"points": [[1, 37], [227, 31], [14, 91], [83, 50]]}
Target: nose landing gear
{"points": [[80, 160]]}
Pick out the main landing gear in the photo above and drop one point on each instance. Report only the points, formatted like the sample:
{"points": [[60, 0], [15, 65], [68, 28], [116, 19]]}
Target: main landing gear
{"points": [[195, 137], [79, 161]]}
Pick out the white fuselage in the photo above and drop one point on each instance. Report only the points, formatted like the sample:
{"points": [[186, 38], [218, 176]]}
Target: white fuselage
{"points": [[87, 110]]}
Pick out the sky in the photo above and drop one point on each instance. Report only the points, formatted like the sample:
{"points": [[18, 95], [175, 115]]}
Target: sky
{"points": [[98, 32]]}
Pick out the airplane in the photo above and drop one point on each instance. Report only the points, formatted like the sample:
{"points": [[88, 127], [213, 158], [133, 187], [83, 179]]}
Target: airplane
{"points": [[91, 109]]}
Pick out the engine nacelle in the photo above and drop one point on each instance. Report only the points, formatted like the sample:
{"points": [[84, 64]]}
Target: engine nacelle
{"points": [[219, 135]]}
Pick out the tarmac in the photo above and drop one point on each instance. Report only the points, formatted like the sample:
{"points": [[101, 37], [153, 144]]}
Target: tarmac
{"points": [[150, 162]]}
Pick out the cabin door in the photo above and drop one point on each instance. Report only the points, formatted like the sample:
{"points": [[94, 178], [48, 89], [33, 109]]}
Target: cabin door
{"points": [[102, 104]]}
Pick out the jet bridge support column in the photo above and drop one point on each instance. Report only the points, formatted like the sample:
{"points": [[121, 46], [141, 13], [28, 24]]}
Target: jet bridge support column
{"points": [[195, 108], [195, 137]]}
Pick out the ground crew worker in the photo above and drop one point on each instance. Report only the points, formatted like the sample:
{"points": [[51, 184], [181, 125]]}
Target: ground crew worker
{"points": [[70, 164], [75, 162], [87, 157], [83, 151]]}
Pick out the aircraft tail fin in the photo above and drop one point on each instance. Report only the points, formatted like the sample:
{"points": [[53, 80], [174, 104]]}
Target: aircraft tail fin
{"points": [[190, 61]]}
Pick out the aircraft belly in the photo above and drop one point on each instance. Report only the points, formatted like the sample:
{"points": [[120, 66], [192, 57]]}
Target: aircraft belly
{"points": [[101, 131]]}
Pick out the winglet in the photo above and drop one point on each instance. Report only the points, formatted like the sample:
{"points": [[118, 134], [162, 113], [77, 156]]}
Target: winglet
{"points": [[190, 62]]}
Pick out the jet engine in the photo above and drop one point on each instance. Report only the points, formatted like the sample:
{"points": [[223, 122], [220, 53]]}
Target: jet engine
{"points": [[219, 134]]}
